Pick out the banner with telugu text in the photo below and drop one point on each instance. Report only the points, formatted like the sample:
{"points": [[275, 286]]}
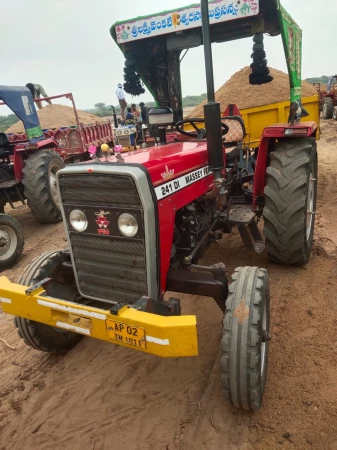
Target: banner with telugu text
{"points": [[184, 18]]}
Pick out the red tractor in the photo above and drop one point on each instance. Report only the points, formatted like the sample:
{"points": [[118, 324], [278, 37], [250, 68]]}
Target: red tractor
{"points": [[138, 223], [329, 99], [28, 172]]}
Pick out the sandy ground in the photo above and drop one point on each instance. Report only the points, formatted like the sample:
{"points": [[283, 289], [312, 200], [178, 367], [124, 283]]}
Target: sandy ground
{"points": [[100, 396]]}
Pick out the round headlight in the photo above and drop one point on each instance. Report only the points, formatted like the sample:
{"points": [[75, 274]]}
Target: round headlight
{"points": [[78, 220], [127, 225]]}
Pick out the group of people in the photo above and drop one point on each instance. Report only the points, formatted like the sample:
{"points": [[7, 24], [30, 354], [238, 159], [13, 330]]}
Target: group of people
{"points": [[133, 118], [133, 115]]}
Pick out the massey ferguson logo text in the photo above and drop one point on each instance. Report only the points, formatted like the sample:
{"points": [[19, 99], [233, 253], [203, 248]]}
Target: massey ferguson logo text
{"points": [[169, 188], [102, 222]]}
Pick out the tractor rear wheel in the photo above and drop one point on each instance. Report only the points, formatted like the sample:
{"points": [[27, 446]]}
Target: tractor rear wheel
{"points": [[40, 189], [11, 241], [290, 201], [38, 335], [245, 338], [327, 110]]}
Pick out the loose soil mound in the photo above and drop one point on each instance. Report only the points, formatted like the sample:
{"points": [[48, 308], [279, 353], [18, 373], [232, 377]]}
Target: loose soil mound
{"points": [[237, 90], [57, 116]]}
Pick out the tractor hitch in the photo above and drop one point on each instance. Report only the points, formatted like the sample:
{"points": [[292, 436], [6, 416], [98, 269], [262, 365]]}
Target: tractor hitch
{"points": [[164, 308]]}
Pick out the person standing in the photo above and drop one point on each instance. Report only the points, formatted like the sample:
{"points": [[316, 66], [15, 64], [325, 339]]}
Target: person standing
{"points": [[130, 118], [135, 112], [36, 91], [121, 98], [143, 113]]}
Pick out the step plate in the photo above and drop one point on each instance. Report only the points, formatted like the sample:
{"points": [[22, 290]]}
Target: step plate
{"points": [[241, 215], [8, 184]]}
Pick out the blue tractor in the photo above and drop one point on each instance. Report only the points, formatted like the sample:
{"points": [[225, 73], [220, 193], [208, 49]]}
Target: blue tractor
{"points": [[28, 161]]}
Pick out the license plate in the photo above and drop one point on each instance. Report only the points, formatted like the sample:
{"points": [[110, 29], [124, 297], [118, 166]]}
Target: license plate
{"points": [[127, 334]]}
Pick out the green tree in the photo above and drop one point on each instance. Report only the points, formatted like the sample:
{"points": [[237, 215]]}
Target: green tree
{"points": [[323, 79], [100, 106]]}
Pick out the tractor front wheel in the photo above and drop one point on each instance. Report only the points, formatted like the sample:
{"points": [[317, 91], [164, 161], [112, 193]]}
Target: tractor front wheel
{"points": [[40, 189], [334, 114], [327, 110], [290, 201], [11, 241], [245, 338], [38, 335]]}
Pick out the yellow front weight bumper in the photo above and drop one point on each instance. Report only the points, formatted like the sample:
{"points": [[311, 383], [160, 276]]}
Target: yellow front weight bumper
{"points": [[171, 336]]}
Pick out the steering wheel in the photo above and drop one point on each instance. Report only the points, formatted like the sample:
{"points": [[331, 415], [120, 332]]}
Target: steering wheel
{"points": [[199, 133]]}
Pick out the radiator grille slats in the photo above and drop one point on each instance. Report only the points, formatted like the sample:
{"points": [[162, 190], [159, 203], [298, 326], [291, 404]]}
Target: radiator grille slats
{"points": [[108, 268], [99, 189]]}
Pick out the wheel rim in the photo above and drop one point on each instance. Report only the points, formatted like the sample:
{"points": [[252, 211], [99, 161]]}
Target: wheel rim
{"points": [[53, 185], [8, 242], [310, 205], [263, 344]]}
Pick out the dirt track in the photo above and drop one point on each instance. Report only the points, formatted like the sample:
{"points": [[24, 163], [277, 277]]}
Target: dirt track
{"points": [[100, 396]]}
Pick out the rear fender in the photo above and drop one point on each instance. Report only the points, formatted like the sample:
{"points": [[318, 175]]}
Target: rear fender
{"points": [[269, 136], [265, 147], [50, 143], [21, 152]]}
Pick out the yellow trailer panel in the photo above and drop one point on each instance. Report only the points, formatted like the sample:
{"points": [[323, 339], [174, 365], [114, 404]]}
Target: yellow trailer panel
{"points": [[257, 119]]}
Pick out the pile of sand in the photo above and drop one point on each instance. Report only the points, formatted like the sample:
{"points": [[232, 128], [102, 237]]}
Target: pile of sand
{"points": [[237, 90], [57, 116]]}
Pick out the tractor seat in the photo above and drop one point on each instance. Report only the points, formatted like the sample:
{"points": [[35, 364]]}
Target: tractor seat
{"points": [[236, 130], [234, 138], [4, 146]]}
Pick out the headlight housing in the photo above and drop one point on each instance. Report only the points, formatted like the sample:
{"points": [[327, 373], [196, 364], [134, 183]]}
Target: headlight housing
{"points": [[127, 225], [78, 220]]}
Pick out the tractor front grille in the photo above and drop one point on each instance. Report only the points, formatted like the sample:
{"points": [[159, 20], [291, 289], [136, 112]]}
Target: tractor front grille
{"points": [[124, 141], [99, 190], [109, 268]]}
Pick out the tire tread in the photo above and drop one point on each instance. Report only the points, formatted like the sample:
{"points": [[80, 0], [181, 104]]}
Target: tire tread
{"points": [[286, 201], [36, 185], [241, 343]]}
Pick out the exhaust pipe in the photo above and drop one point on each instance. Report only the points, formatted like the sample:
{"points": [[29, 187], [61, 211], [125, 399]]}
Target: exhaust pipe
{"points": [[212, 108]]}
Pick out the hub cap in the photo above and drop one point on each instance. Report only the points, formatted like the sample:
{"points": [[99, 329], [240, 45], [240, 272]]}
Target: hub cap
{"points": [[8, 242], [53, 185], [310, 205]]}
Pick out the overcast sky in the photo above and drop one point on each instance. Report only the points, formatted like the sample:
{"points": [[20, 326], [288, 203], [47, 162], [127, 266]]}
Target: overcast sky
{"points": [[66, 46]]}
